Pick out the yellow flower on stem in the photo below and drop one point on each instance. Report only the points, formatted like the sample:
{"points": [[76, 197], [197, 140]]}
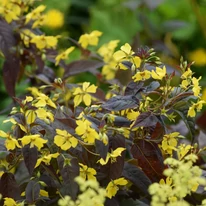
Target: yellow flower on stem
{"points": [[35, 14], [182, 150], [33, 140], [113, 155], [63, 55], [159, 73], [42, 100], [90, 39], [195, 106], [64, 140], [11, 202], [139, 76], [42, 41], [87, 133], [87, 173], [169, 142], [46, 158], [10, 142], [196, 88], [124, 52], [113, 186], [83, 94]]}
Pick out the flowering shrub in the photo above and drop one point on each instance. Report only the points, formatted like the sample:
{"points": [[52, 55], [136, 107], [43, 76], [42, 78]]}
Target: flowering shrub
{"points": [[78, 144]]}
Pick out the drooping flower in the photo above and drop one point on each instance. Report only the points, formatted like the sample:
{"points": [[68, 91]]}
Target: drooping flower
{"points": [[46, 158], [90, 39], [64, 55], [195, 107], [114, 186], [10, 142], [112, 156]]}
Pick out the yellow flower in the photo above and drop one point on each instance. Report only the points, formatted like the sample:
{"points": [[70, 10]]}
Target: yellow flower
{"points": [[11, 202], [183, 150], [63, 55], [90, 39], [35, 14], [42, 100], [159, 74], [64, 140], [87, 133], [203, 97], [44, 114], [54, 19], [196, 88], [169, 142], [10, 142], [113, 155], [33, 140], [87, 173], [187, 74], [195, 106], [10, 11], [81, 94], [124, 52], [199, 56], [132, 115], [139, 76], [113, 186], [42, 41], [168, 181], [46, 158]]}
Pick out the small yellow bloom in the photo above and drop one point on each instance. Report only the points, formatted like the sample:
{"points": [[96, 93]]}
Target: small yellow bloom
{"points": [[90, 39], [46, 158], [87, 173], [42, 41], [196, 88], [64, 140], [132, 115], [159, 74], [139, 76], [113, 155], [124, 52], [35, 14], [11, 202], [10, 142], [195, 106], [187, 74], [113, 186], [82, 94], [169, 142], [54, 19], [63, 55], [87, 133], [33, 140]]}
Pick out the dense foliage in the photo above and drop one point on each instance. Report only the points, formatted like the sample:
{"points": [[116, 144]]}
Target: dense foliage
{"points": [[111, 141]]}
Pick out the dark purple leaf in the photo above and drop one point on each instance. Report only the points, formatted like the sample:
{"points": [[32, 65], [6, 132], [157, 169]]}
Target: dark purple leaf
{"points": [[113, 170], [145, 119], [101, 148], [149, 158], [30, 157], [7, 39], [32, 192], [68, 173], [118, 103], [138, 178], [133, 88], [8, 186], [79, 66]]}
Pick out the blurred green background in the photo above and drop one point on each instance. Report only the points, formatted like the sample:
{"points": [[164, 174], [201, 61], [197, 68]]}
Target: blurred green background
{"points": [[174, 28]]}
